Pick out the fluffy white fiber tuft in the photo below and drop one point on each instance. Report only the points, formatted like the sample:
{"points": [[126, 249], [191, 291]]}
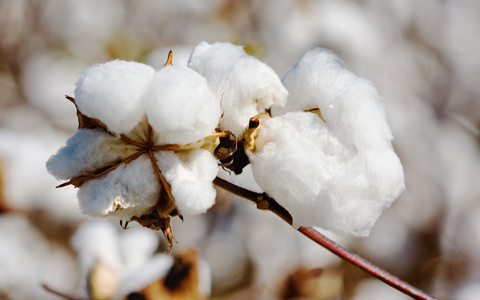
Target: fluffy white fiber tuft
{"points": [[339, 174], [181, 107], [350, 105], [129, 190], [190, 176], [113, 92], [245, 85], [86, 151]]}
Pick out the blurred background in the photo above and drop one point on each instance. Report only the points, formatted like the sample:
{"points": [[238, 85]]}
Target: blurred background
{"points": [[423, 56]]}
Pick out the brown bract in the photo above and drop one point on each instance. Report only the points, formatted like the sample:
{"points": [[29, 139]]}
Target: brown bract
{"points": [[141, 140]]}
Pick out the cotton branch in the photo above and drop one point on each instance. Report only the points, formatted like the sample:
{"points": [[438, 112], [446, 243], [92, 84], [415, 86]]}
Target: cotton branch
{"points": [[264, 202]]}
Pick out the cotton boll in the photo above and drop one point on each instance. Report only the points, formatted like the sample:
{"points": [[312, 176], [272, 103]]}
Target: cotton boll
{"points": [[181, 107], [86, 151], [113, 93], [245, 85], [321, 181], [127, 191], [190, 176]]}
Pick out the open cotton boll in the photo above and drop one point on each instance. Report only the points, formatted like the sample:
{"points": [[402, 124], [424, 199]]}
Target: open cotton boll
{"points": [[86, 151], [129, 190], [246, 85], [113, 93], [321, 181], [181, 107], [96, 242], [190, 176]]}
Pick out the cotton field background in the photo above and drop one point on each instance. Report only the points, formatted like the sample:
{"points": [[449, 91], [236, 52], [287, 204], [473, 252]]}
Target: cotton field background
{"points": [[423, 57]]}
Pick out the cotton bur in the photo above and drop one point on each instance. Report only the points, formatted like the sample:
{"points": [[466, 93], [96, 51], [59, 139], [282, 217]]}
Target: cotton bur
{"points": [[144, 147]]}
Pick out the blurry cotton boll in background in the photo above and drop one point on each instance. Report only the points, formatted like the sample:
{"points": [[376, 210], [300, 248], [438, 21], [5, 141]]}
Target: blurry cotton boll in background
{"points": [[28, 259], [47, 79], [346, 27], [462, 50], [27, 185], [115, 265], [99, 242], [84, 26]]}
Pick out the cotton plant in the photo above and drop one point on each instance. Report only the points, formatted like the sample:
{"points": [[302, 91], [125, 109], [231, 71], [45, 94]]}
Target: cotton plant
{"points": [[150, 141]]}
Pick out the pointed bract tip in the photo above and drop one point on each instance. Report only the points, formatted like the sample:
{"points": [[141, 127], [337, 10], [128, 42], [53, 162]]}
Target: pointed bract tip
{"points": [[71, 99], [169, 59]]}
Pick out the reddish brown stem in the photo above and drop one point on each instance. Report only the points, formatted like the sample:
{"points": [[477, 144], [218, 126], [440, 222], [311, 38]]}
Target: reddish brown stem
{"points": [[265, 202], [365, 265]]}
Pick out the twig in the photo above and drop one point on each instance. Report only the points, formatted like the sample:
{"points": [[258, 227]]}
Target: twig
{"points": [[264, 202]]}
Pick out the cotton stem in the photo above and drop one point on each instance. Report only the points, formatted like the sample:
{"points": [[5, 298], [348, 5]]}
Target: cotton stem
{"points": [[264, 202]]}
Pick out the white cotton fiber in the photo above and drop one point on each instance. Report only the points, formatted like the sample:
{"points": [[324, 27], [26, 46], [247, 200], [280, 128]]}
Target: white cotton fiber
{"points": [[127, 191], [339, 174], [138, 244], [97, 241], [245, 84], [181, 107], [350, 105], [113, 92], [190, 175], [87, 151]]}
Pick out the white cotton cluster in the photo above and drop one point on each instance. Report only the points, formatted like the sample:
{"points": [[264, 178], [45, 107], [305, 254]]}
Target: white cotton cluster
{"points": [[245, 85], [180, 108], [338, 174], [177, 101]]}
